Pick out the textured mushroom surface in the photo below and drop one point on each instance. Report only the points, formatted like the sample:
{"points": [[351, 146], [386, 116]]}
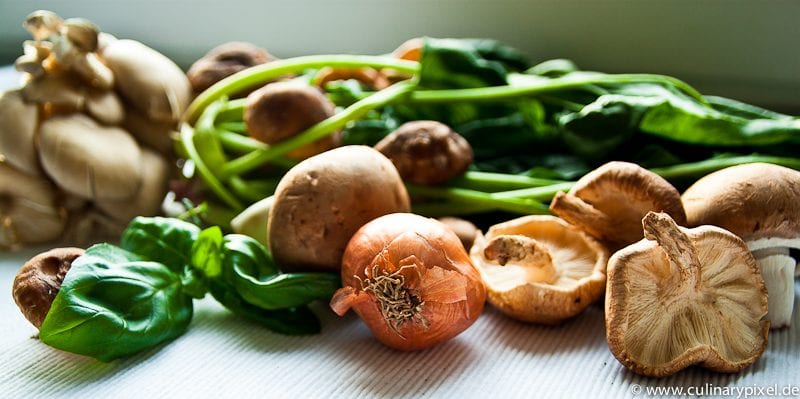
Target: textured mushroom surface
{"points": [[610, 201], [685, 297], [546, 272]]}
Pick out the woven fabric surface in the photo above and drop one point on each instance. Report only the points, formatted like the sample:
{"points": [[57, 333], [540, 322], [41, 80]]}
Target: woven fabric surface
{"points": [[223, 356]]}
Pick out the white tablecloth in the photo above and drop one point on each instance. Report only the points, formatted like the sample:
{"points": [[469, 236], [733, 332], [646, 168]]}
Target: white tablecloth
{"points": [[223, 356]]}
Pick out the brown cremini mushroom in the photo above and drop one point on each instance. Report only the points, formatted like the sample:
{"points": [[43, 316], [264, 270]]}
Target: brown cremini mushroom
{"points": [[540, 269], [321, 202], [39, 280], [29, 212], [760, 203], [223, 61], [426, 152], [368, 76], [610, 202], [281, 110], [685, 297]]}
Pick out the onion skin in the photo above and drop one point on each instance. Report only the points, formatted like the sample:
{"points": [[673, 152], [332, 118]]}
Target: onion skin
{"points": [[447, 290]]}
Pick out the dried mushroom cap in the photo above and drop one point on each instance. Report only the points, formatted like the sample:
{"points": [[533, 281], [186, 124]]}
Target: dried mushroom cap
{"points": [[540, 268], [426, 152], [147, 79], [38, 281], [18, 122], [683, 297], [28, 210], [223, 61], [88, 159], [610, 202]]}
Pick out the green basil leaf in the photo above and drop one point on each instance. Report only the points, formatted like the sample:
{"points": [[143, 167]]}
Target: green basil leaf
{"points": [[296, 321], [286, 290], [247, 253], [114, 304], [167, 241], [207, 252], [163, 240]]}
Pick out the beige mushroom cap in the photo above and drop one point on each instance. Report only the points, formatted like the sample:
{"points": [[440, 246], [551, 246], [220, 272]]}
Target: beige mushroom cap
{"points": [[754, 201], [155, 171], [29, 213], [90, 160], [18, 122], [610, 202], [692, 297], [521, 290], [147, 79]]}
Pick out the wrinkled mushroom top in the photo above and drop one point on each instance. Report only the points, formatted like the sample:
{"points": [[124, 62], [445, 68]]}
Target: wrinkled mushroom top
{"points": [[753, 201], [426, 152], [223, 61], [575, 256], [693, 296], [624, 192]]}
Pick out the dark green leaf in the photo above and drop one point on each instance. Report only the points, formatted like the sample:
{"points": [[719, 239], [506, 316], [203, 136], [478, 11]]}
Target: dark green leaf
{"points": [[167, 241], [113, 304], [451, 63], [286, 290]]}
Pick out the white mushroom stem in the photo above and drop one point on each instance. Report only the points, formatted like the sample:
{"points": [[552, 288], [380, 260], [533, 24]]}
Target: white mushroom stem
{"points": [[778, 269], [524, 251], [676, 245]]}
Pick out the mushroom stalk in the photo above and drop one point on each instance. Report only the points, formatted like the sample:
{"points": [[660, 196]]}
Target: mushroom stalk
{"points": [[580, 213], [677, 246], [525, 250]]}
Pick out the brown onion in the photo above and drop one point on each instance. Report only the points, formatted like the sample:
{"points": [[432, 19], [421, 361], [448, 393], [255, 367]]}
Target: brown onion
{"points": [[410, 280]]}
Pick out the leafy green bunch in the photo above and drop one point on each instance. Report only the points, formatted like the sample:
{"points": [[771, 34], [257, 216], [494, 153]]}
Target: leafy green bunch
{"points": [[117, 301], [534, 129]]}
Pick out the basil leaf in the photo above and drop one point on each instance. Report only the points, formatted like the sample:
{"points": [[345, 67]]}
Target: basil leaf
{"points": [[207, 252], [167, 241], [164, 240], [296, 321], [248, 253], [284, 290], [114, 304]]}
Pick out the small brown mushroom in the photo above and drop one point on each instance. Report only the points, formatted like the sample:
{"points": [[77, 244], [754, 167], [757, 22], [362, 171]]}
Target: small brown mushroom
{"points": [[426, 152], [761, 204], [540, 269], [281, 110], [685, 297], [39, 280], [610, 202], [29, 213], [321, 202], [367, 76], [223, 61], [148, 80], [88, 159], [18, 123]]}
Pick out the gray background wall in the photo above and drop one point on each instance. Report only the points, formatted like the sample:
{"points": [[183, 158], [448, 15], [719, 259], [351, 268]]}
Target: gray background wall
{"points": [[746, 49]]}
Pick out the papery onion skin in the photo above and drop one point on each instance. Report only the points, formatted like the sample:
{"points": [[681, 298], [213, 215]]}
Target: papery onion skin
{"points": [[446, 286]]}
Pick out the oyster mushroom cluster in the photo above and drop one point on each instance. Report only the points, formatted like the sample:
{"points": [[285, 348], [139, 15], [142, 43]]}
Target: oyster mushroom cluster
{"points": [[85, 142]]}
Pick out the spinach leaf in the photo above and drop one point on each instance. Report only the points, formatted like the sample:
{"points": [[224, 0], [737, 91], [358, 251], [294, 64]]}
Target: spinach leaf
{"points": [[113, 303], [167, 241], [451, 63]]}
